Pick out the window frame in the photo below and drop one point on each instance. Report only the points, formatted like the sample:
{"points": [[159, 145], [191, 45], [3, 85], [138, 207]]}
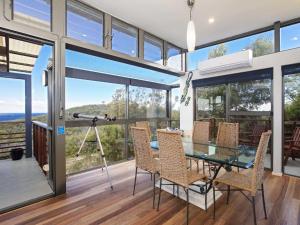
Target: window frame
{"points": [[162, 47], [129, 25], [180, 53], [89, 8], [50, 21]]}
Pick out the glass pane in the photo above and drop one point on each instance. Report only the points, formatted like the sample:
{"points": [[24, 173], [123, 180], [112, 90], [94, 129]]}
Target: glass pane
{"points": [[101, 98], [84, 23], [124, 38], [291, 146], [98, 64], [3, 59], [175, 113], [252, 95], [210, 102], [147, 102], [290, 37], [261, 44], [153, 49], [112, 140], [174, 57], [36, 13]]}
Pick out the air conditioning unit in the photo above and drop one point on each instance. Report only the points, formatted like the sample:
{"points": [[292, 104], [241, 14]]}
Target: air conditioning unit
{"points": [[227, 62]]}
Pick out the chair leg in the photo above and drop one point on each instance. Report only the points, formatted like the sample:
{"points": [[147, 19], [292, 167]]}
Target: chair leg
{"points": [[135, 180], [263, 198], [214, 198], [253, 207], [228, 194], [153, 191], [205, 197], [160, 181], [187, 206]]}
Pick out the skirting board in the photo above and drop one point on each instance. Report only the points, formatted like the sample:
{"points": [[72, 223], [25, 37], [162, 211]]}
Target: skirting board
{"points": [[194, 198]]}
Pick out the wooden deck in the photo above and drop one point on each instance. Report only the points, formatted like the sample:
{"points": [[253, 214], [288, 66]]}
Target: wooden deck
{"points": [[89, 200]]}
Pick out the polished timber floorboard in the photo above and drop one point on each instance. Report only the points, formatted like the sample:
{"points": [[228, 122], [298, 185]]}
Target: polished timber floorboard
{"points": [[89, 200]]}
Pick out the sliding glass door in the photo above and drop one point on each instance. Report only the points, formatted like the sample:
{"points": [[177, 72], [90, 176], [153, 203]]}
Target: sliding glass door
{"points": [[291, 139], [242, 98]]}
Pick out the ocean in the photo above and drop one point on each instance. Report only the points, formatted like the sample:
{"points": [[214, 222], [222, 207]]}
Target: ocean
{"points": [[15, 116]]}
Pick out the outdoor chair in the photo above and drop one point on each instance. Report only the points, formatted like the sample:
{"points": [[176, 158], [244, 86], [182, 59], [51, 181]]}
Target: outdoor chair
{"points": [[292, 147]]}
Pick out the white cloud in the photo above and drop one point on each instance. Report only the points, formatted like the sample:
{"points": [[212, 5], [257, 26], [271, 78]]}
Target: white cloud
{"points": [[295, 39]]}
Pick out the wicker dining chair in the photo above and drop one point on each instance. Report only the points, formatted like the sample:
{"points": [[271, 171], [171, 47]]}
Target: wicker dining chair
{"points": [[173, 165], [146, 124], [201, 135], [251, 181], [228, 135], [144, 159]]}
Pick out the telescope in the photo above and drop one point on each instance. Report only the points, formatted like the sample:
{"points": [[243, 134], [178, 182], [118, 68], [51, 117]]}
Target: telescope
{"points": [[94, 118]]}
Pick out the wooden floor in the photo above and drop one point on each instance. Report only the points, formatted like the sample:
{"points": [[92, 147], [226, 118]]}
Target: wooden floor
{"points": [[89, 200]]}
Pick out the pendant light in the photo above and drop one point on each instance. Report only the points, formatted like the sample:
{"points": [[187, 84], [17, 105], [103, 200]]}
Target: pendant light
{"points": [[191, 32]]}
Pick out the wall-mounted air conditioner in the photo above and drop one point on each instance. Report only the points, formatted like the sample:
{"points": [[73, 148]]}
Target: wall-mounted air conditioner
{"points": [[227, 62]]}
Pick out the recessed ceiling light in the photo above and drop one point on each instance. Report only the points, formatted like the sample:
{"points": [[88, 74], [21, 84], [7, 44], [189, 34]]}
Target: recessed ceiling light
{"points": [[211, 20]]}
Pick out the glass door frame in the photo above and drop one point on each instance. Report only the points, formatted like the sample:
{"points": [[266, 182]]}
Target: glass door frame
{"points": [[286, 70], [28, 109], [234, 78]]}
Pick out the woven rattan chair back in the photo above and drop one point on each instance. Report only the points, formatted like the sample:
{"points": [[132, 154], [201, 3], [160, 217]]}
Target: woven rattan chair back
{"points": [[228, 135], [144, 124], [201, 131], [172, 158], [142, 149], [258, 169]]}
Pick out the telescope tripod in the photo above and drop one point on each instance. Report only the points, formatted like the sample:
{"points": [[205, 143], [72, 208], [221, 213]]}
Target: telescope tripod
{"points": [[102, 155]]}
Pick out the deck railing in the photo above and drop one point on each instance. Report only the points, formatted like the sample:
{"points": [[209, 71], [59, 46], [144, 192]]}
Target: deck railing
{"points": [[12, 135], [40, 144]]}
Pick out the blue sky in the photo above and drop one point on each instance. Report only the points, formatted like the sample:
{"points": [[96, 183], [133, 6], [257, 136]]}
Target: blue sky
{"points": [[79, 92]]}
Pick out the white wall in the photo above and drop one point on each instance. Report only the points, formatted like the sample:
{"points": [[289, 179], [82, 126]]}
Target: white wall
{"points": [[275, 61]]}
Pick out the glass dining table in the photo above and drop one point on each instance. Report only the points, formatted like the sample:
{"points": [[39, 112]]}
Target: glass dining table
{"points": [[242, 156]]}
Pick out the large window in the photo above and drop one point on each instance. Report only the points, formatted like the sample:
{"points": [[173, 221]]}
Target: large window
{"points": [[84, 23], [174, 57], [290, 37], [291, 147], [35, 13], [261, 44], [147, 102], [153, 49], [124, 38], [101, 98], [247, 102]]}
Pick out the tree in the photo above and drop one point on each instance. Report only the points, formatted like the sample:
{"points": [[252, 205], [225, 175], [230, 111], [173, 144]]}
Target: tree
{"points": [[218, 51], [261, 46]]}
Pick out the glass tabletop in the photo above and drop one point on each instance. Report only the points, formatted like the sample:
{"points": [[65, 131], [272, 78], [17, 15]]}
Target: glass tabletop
{"points": [[243, 156]]}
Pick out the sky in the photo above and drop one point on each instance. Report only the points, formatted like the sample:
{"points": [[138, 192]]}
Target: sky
{"points": [[80, 92]]}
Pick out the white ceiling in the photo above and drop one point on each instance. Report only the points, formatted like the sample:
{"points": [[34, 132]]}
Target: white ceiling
{"points": [[168, 18]]}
